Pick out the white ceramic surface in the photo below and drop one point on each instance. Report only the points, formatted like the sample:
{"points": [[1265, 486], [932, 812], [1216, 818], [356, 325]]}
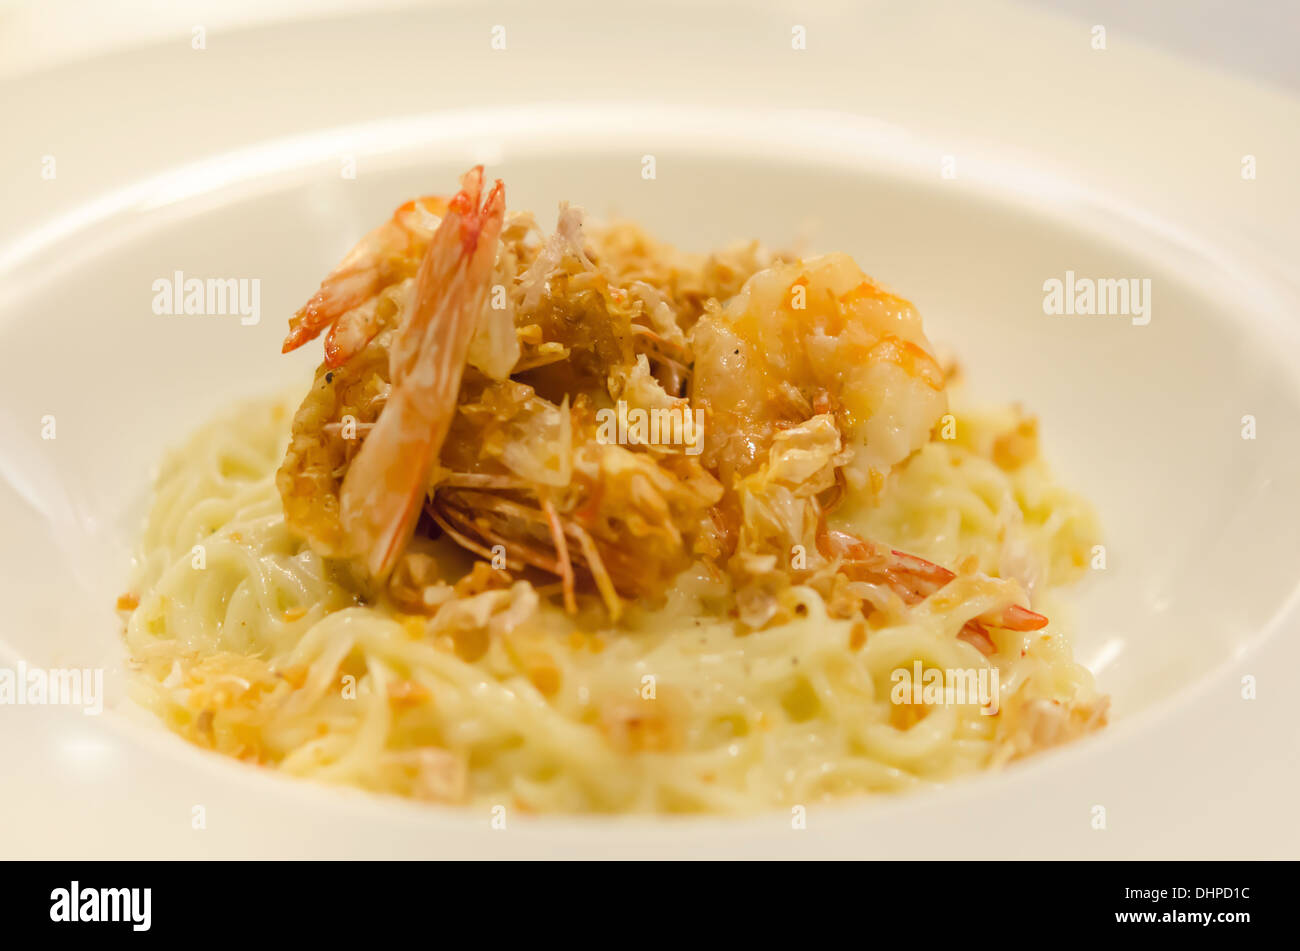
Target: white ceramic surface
{"points": [[1200, 587]]}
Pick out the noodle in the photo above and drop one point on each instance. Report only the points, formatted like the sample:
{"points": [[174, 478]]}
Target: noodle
{"points": [[251, 644]]}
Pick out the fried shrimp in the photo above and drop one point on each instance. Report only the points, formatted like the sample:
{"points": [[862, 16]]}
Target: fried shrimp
{"points": [[384, 489], [483, 413], [813, 375], [813, 335], [382, 414], [812, 381]]}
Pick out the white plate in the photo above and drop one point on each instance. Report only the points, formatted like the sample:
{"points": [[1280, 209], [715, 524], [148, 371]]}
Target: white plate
{"points": [[1200, 587]]}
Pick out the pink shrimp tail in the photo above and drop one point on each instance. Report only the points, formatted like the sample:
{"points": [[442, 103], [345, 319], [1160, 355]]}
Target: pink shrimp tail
{"points": [[307, 324], [363, 273], [914, 579]]}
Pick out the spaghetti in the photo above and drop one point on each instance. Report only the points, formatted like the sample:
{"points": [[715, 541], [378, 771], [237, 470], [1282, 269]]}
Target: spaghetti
{"points": [[260, 650]]}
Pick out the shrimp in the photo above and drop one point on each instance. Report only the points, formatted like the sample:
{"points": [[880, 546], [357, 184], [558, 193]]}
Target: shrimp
{"points": [[506, 441], [913, 579], [814, 374], [384, 488], [812, 333], [349, 299]]}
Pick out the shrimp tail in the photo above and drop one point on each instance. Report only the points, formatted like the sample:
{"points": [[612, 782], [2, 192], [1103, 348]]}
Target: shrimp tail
{"points": [[345, 301], [914, 579], [349, 288], [385, 487]]}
